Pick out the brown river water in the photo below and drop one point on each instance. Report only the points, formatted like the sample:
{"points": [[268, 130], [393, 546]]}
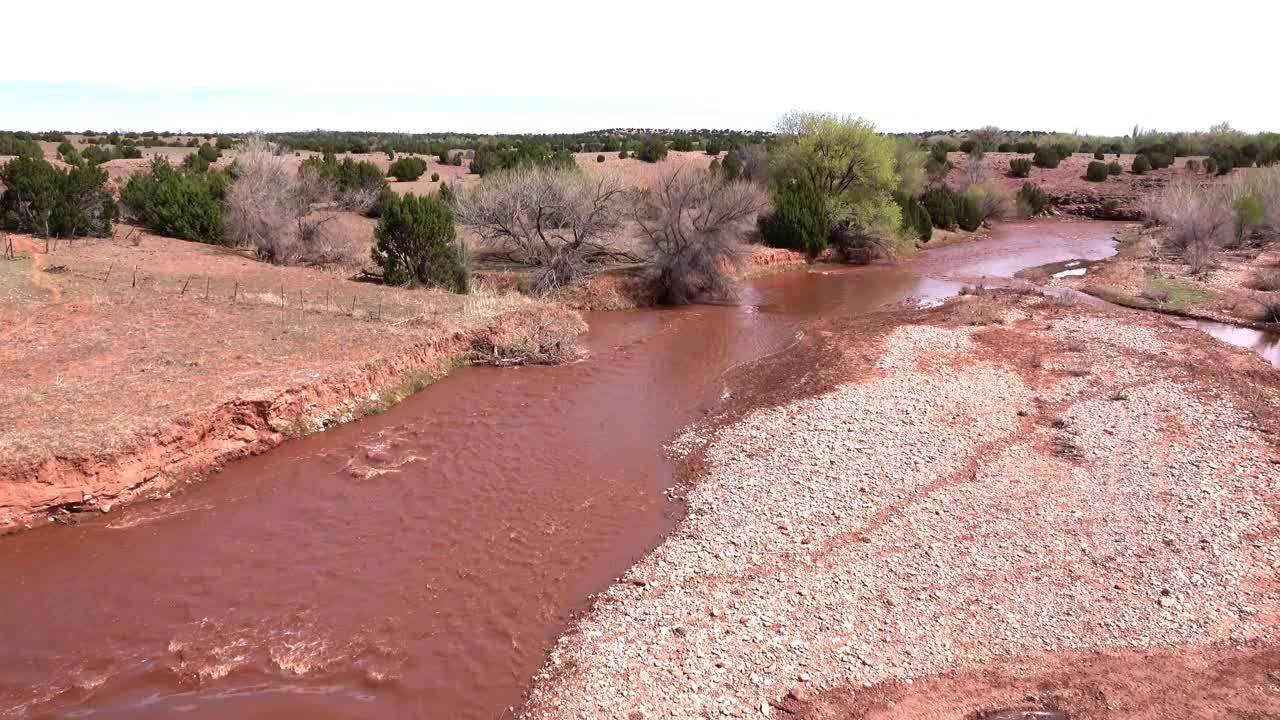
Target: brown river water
{"points": [[419, 563]]}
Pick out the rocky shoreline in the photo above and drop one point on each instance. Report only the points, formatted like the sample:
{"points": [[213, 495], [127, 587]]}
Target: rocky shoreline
{"points": [[925, 492]]}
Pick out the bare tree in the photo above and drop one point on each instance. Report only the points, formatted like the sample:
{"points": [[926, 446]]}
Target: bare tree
{"points": [[692, 222], [283, 217], [755, 163], [557, 220], [263, 203]]}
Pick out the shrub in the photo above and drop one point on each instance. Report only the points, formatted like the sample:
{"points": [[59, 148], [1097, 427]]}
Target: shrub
{"points": [[1063, 149], [1032, 200], [1250, 214], [224, 142], [939, 152], [1200, 220], [407, 169], [415, 244], [600, 158], [15, 144], [68, 153], [1097, 171], [47, 201], [935, 169], [732, 166], [969, 146], [968, 214], [1047, 157], [179, 203], [1265, 280], [682, 144], [622, 154], [1192, 165], [1019, 167], [435, 177], [357, 185], [915, 219], [208, 153], [714, 168], [691, 222], [1159, 160], [1210, 166], [801, 218], [1098, 155], [1114, 168], [1141, 164], [941, 205], [652, 150], [714, 147], [1006, 147], [485, 160], [1025, 147], [195, 162], [992, 202]]}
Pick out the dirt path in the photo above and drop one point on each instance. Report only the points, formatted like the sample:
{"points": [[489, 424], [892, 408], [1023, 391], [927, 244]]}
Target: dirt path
{"points": [[38, 277], [1009, 477]]}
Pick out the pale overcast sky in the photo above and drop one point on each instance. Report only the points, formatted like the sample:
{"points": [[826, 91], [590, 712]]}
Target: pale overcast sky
{"points": [[570, 65]]}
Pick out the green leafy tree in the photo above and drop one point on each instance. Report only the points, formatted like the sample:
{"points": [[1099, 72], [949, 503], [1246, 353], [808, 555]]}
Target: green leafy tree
{"points": [[853, 167], [416, 244]]}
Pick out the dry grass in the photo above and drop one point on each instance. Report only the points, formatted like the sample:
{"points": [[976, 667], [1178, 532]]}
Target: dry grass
{"points": [[1266, 280], [134, 352], [978, 309]]}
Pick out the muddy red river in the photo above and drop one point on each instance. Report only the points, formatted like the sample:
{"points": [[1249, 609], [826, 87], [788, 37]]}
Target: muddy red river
{"points": [[419, 563]]}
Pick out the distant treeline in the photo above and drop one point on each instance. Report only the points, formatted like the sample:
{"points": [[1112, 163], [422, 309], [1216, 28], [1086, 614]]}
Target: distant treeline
{"points": [[613, 140], [1227, 146]]}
